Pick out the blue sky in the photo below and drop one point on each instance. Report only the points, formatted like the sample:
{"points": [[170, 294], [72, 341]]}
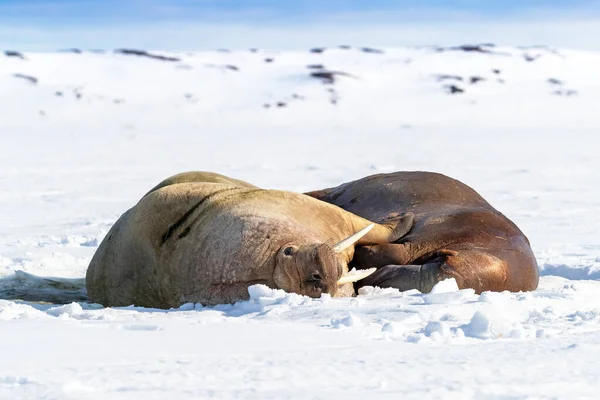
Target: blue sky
{"points": [[200, 24], [79, 12]]}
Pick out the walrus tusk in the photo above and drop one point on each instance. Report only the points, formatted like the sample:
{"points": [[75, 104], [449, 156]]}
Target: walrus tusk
{"points": [[350, 240], [354, 275]]}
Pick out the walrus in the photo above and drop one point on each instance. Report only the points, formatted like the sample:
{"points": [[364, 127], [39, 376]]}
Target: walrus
{"points": [[188, 240], [456, 234]]}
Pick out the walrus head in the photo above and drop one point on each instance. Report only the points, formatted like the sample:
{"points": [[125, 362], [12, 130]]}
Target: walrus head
{"points": [[313, 269]]}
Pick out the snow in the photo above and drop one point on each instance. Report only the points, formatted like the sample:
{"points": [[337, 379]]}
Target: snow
{"points": [[72, 163]]}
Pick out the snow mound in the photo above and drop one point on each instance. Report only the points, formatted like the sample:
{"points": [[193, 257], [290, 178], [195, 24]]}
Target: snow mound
{"points": [[449, 297], [484, 325], [494, 297], [377, 291], [68, 310], [263, 292], [263, 300], [11, 311], [346, 322], [446, 286], [437, 329]]}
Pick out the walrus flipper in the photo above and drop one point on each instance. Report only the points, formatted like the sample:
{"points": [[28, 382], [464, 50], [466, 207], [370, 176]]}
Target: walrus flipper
{"points": [[396, 269], [472, 268], [404, 226], [406, 277]]}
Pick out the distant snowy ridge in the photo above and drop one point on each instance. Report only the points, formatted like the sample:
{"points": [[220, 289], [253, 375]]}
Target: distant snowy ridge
{"points": [[488, 84]]}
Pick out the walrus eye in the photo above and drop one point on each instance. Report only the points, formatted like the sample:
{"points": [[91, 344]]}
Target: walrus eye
{"points": [[288, 251]]}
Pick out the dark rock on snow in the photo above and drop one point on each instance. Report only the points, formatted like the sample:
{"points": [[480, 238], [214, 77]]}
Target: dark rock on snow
{"points": [[143, 53], [16, 54], [29, 78], [453, 89]]}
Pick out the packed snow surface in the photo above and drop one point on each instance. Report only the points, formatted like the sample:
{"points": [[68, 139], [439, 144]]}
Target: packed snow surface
{"points": [[85, 135]]}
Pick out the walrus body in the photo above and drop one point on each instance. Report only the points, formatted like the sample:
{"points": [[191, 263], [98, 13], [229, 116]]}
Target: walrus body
{"points": [[456, 234], [206, 243]]}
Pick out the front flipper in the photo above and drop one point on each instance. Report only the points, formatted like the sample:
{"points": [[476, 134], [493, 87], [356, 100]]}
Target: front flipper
{"points": [[387, 232], [404, 225], [472, 268], [406, 277]]}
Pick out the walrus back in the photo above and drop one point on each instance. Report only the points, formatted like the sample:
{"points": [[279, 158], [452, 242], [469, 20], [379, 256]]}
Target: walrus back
{"points": [[377, 197], [131, 265], [200, 176]]}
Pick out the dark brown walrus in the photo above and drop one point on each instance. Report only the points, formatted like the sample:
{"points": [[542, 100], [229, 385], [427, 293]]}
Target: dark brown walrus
{"points": [[456, 234]]}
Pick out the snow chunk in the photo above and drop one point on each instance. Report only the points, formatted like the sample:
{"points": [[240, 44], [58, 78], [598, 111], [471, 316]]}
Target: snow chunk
{"points": [[377, 291], [449, 297], [437, 328], [484, 326], [91, 243], [388, 327], [350, 320], [494, 297], [264, 296], [68, 310], [392, 330], [518, 333], [479, 326], [14, 380], [257, 292], [325, 298], [187, 307], [446, 286], [447, 291], [263, 300], [540, 334]]}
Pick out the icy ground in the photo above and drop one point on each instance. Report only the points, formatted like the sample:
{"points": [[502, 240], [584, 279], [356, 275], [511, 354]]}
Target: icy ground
{"points": [[84, 136]]}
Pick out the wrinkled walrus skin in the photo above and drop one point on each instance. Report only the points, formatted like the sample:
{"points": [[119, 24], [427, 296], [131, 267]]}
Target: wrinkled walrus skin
{"points": [[456, 234], [206, 243]]}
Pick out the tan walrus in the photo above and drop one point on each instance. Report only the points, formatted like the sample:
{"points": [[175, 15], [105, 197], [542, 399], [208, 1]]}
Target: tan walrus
{"points": [[208, 242]]}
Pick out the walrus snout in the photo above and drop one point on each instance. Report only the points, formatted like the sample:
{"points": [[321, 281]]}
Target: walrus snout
{"points": [[316, 280]]}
